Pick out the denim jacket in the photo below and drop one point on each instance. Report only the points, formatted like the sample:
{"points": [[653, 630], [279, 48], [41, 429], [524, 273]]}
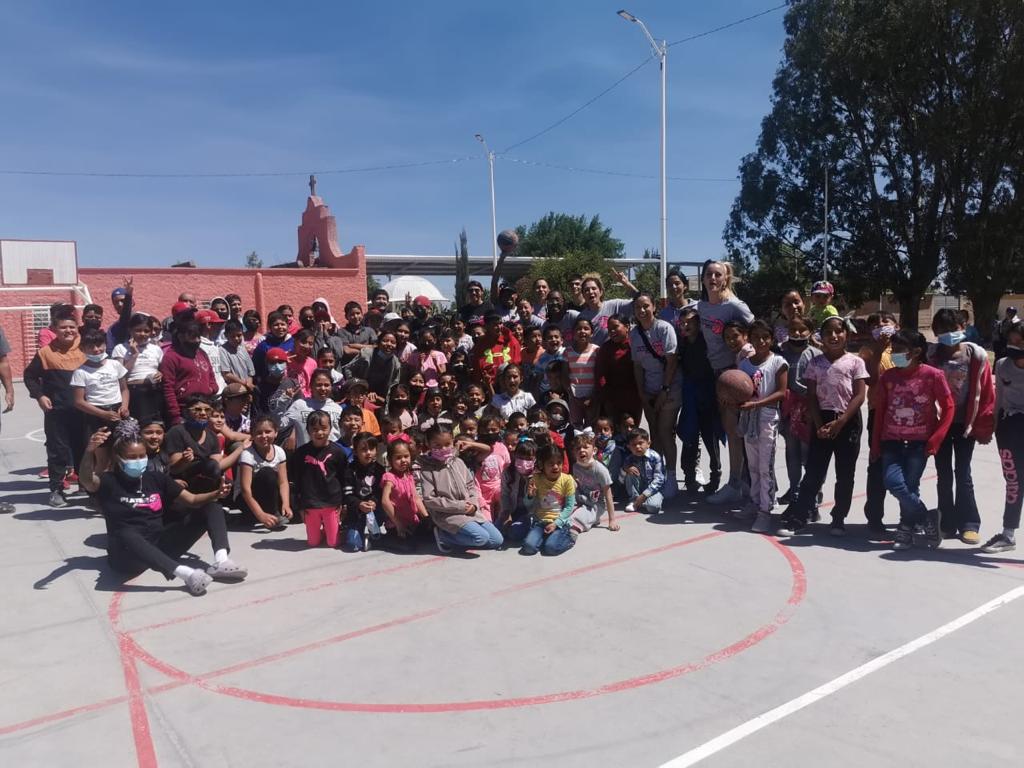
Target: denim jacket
{"points": [[652, 471]]}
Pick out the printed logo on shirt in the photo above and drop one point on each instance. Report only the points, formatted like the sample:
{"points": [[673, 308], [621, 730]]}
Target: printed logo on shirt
{"points": [[317, 463], [152, 502], [713, 324]]}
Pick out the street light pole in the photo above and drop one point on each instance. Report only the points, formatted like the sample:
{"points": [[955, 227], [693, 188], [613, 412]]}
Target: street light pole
{"points": [[661, 51], [494, 214], [824, 269]]}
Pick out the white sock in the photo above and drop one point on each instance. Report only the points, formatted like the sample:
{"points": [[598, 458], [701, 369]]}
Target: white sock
{"points": [[1009, 532], [183, 571], [220, 556]]}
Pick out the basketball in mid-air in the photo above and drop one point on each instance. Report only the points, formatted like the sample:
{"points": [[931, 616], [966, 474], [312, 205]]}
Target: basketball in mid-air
{"points": [[734, 387], [508, 240]]}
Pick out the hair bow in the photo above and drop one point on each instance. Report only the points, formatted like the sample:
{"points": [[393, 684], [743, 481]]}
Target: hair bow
{"points": [[585, 431], [399, 437], [538, 425]]}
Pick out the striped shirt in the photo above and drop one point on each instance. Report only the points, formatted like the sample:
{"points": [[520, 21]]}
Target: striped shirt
{"points": [[581, 370]]}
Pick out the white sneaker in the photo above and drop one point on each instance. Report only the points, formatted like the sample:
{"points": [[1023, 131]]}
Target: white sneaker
{"points": [[727, 494], [763, 523], [630, 508], [698, 477], [227, 571], [197, 582]]}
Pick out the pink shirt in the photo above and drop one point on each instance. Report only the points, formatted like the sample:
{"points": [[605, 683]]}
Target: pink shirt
{"points": [[833, 380], [429, 364], [910, 402], [301, 371], [488, 477], [403, 496], [46, 335], [581, 370]]}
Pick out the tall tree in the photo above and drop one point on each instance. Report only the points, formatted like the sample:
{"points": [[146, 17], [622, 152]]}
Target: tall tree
{"points": [[562, 246], [461, 267], [881, 95], [253, 261]]}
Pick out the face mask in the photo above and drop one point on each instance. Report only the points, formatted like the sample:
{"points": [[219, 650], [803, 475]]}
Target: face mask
{"points": [[196, 424], [91, 324], [602, 440], [96, 358], [1015, 353], [191, 346], [400, 403], [442, 454], [383, 355], [798, 342], [900, 359], [525, 466], [490, 439], [556, 419], [252, 325], [277, 369], [415, 391], [951, 339], [134, 467]]}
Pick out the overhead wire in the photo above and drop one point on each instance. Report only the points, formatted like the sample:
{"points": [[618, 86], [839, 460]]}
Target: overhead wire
{"points": [[604, 172]]}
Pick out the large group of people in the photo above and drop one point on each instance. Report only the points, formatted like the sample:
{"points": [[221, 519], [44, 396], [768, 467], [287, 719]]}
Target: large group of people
{"points": [[526, 420]]}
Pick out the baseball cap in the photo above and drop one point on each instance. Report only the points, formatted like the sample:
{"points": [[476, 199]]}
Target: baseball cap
{"points": [[207, 316], [277, 355], [422, 301], [179, 307], [118, 292], [823, 286]]}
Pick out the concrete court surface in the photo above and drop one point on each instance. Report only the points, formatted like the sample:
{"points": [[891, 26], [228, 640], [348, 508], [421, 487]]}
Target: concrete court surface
{"points": [[632, 649]]}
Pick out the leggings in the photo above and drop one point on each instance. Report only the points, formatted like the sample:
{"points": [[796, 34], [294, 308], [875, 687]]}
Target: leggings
{"points": [[846, 447], [65, 443], [326, 518], [1010, 442], [132, 551], [266, 493]]}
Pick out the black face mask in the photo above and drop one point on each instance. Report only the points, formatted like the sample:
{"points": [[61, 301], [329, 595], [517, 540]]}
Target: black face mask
{"points": [[252, 325], [222, 313], [415, 391], [1015, 353], [489, 439], [400, 403], [191, 346], [307, 322], [92, 324], [798, 342]]}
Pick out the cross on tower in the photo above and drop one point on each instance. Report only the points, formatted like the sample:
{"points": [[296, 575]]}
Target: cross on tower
{"points": [[312, 185]]}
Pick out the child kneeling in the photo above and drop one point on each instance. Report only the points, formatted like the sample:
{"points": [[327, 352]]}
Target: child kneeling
{"points": [[449, 494], [551, 497]]}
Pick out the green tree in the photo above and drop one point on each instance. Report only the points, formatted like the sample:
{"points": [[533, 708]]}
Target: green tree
{"points": [[894, 100], [253, 261], [561, 246], [372, 285], [647, 277]]}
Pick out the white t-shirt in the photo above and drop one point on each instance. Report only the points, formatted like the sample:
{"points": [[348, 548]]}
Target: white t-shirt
{"points": [[102, 384], [522, 401], [213, 353], [147, 361], [251, 457]]}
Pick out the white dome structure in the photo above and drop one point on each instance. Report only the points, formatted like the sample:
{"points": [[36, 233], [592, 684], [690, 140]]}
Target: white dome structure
{"points": [[414, 286]]}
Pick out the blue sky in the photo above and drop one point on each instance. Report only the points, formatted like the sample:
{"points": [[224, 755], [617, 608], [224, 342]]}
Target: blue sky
{"points": [[237, 87]]}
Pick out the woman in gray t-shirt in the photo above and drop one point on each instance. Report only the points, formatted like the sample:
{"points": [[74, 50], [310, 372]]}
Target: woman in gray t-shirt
{"points": [[597, 309]]}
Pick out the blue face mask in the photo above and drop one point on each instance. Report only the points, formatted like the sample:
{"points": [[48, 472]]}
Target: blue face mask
{"points": [[96, 358], [196, 424], [900, 359], [952, 338], [277, 368], [134, 467]]}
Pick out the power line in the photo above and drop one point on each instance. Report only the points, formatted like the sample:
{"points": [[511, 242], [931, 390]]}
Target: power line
{"points": [[604, 172], [736, 23], [221, 175]]}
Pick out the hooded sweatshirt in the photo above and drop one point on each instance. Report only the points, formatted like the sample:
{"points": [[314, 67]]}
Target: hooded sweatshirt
{"points": [[185, 373], [445, 487]]}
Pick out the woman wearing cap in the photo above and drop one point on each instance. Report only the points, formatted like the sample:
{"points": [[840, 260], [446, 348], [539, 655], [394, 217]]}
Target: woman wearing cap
{"points": [[596, 309]]}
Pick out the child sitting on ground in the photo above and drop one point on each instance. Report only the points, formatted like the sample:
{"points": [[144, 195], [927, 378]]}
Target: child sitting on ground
{"points": [[551, 497], [515, 519], [263, 477], [593, 489], [642, 474]]}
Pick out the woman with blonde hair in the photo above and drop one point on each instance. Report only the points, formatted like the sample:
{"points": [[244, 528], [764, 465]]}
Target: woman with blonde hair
{"points": [[718, 306], [597, 309]]}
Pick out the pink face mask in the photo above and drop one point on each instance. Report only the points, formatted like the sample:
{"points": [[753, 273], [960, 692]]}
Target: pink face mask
{"points": [[442, 454], [525, 466]]}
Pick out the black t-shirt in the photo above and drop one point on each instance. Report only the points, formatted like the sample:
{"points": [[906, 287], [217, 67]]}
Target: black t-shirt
{"points": [[474, 315], [138, 504], [362, 483], [318, 474], [693, 359], [178, 439]]}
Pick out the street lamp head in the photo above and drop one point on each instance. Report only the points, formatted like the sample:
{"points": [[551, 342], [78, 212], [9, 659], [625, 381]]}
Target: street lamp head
{"points": [[479, 137], [627, 16]]}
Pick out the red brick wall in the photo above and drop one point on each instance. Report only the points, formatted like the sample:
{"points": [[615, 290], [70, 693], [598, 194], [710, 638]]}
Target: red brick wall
{"points": [[157, 289]]}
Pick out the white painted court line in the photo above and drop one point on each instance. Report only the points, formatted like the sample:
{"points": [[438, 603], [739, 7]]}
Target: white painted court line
{"points": [[755, 724]]}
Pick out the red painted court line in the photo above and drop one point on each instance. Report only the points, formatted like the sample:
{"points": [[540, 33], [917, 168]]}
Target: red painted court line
{"points": [[797, 594], [145, 750], [291, 593], [63, 714]]}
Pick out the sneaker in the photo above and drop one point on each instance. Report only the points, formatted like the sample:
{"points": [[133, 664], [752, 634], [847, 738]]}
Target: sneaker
{"points": [[670, 488], [197, 582], [837, 529], [999, 543], [443, 548], [946, 535], [6, 508], [748, 512], [932, 533], [227, 571], [712, 485], [902, 538], [57, 499], [44, 473], [789, 526], [763, 523], [729, 494], [787, 497], [970, 537], [630, 507], [877, 530]]}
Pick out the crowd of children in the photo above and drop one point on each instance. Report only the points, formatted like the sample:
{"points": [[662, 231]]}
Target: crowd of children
{"points": [[512, 423]]}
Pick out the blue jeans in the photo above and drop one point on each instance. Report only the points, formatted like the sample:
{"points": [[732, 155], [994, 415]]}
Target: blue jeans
{"points": [[352, 540], [652, 505], [903, 464], [554, 543], [473, 535], [953, 463], [796, 459]]}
